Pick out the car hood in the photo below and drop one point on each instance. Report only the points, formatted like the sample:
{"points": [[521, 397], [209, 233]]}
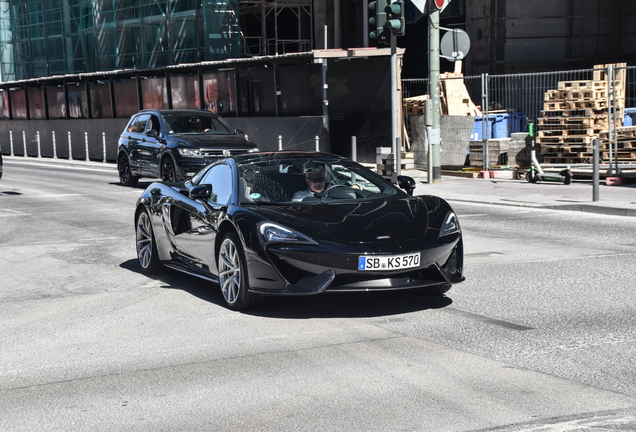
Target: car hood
{"points": [[354, 222], [213, 141]]}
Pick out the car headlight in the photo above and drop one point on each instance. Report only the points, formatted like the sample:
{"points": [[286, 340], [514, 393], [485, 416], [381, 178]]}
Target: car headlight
{"points": [[450, 225], [276, 233], [188, 152], [253, 150]]}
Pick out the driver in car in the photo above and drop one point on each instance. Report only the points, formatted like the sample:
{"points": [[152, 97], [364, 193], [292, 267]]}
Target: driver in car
{"points": [[315, 180]]}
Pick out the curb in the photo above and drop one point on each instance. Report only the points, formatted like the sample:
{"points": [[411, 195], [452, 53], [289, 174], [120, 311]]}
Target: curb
{"points": [[75, 163], [585, 208]]}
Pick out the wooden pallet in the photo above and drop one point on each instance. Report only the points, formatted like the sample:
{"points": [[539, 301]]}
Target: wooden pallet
{"points": [[622, 133], [627, 145], [580, 140], [559, 148], [582, 84], [584, 122], [569, 132], [567, 160]]}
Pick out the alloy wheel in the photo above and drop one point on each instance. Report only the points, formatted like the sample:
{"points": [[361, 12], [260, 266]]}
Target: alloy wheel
{"points": [[229, 271], [168, 171], [144, 241]]}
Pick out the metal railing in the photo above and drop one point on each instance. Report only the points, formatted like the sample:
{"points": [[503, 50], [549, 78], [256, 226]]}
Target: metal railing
{"points": [[527, 96], [522, 92]]}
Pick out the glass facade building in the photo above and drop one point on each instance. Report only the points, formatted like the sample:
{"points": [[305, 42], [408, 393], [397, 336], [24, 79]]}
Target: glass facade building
{"points": [[41, 38]]}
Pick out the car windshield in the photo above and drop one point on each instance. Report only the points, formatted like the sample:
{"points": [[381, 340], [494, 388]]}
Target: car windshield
{"points": [[310, 181], [180, 123]]}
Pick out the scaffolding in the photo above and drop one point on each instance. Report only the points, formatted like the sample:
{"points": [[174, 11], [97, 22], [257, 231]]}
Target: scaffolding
{"points": [[276, 27]]}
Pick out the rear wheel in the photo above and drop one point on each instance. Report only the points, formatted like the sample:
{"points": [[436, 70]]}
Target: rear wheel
{"points": [[168, 170], [233, 274], [146, 245], [125, 175]]}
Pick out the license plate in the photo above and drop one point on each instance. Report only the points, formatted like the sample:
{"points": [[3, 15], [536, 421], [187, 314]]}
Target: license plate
{"points": [[394, 262]]}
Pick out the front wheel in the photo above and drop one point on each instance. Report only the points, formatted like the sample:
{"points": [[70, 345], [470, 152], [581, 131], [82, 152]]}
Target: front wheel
{"points": [[146, 244], [531, 177], [168, 171], [233, 274], [125, 174]]}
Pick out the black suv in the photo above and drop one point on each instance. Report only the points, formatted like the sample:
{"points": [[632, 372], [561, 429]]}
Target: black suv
{"points": [[175, 144]]}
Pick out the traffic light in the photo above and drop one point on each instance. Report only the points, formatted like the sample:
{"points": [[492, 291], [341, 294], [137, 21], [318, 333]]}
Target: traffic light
{"points": [[378, 20], [395, 17]]}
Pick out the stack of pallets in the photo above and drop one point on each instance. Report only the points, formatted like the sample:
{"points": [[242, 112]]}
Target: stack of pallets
{"points": [[577, 113], [625, 150], [385, 162]]}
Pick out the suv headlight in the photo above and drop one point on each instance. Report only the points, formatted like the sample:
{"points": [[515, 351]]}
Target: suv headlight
{"points": [[450, 225], [277, 233], [253, 150], [188, 152]]}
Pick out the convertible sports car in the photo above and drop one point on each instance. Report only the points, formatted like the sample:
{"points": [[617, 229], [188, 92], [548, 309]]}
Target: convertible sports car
{"points": [[255, 225]]}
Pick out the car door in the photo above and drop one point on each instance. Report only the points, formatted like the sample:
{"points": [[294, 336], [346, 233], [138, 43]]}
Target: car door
{"points": [[137, 141], [193, 223], [153, 145]]}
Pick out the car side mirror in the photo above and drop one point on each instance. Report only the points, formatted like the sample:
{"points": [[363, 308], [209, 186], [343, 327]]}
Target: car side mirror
{"points": [[407, 183], [201, 191], [152, 133]]}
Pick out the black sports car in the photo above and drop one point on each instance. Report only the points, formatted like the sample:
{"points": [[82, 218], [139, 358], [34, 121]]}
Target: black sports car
{"points": [[297, 224], [175, 144]]}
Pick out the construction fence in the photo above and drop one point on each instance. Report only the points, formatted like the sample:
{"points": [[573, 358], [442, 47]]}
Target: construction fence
{"points": [[569, 109]]}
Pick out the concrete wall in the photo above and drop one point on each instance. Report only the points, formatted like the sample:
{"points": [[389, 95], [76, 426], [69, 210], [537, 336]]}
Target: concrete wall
{"points": [[509, 36], [455, 138]]}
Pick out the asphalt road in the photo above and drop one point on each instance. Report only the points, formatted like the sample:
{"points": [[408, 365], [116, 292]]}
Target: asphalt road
{"points": [[541, 336]]}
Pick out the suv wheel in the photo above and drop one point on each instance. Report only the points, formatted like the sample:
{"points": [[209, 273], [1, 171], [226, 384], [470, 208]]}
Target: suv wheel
{"points": [[125, 175], [168, 170]]}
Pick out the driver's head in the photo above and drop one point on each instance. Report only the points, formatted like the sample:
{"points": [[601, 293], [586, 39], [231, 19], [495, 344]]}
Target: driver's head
{"points": [[316, 179]]}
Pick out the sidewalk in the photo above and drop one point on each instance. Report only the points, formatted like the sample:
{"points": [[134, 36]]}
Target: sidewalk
{"points": [[577, 196], [613, 200]]}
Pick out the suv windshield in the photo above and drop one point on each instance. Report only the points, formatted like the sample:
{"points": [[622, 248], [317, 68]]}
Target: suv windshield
{"points": [[195, 124], [310, 181]]}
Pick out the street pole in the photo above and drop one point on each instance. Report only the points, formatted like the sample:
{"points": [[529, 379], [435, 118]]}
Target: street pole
{"points": [[394, 107], [434, 172]]}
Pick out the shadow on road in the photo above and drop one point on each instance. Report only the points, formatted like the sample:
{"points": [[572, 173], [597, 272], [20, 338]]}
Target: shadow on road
{"points": [[325, 305]]}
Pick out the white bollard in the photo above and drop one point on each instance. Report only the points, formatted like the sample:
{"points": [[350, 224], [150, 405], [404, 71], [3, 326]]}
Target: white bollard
{"points": [[104, 145], [354, 149], [86, 145], [70, 147], [26, 153], [37, 138], [280, 143], [11, 142], [317, 143], [54, 146]]}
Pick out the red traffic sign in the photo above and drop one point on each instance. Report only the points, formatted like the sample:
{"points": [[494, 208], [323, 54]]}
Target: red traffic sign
{"points": [[441, 4]]}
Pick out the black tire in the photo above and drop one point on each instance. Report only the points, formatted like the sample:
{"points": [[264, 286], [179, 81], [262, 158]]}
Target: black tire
{"points": [[529, 176], [567, 179], [125, 174], [233, 279], [146, 246], [168, 170]]}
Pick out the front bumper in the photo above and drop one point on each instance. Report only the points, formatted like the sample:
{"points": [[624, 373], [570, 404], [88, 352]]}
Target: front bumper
{"points": [[304, 270]]}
